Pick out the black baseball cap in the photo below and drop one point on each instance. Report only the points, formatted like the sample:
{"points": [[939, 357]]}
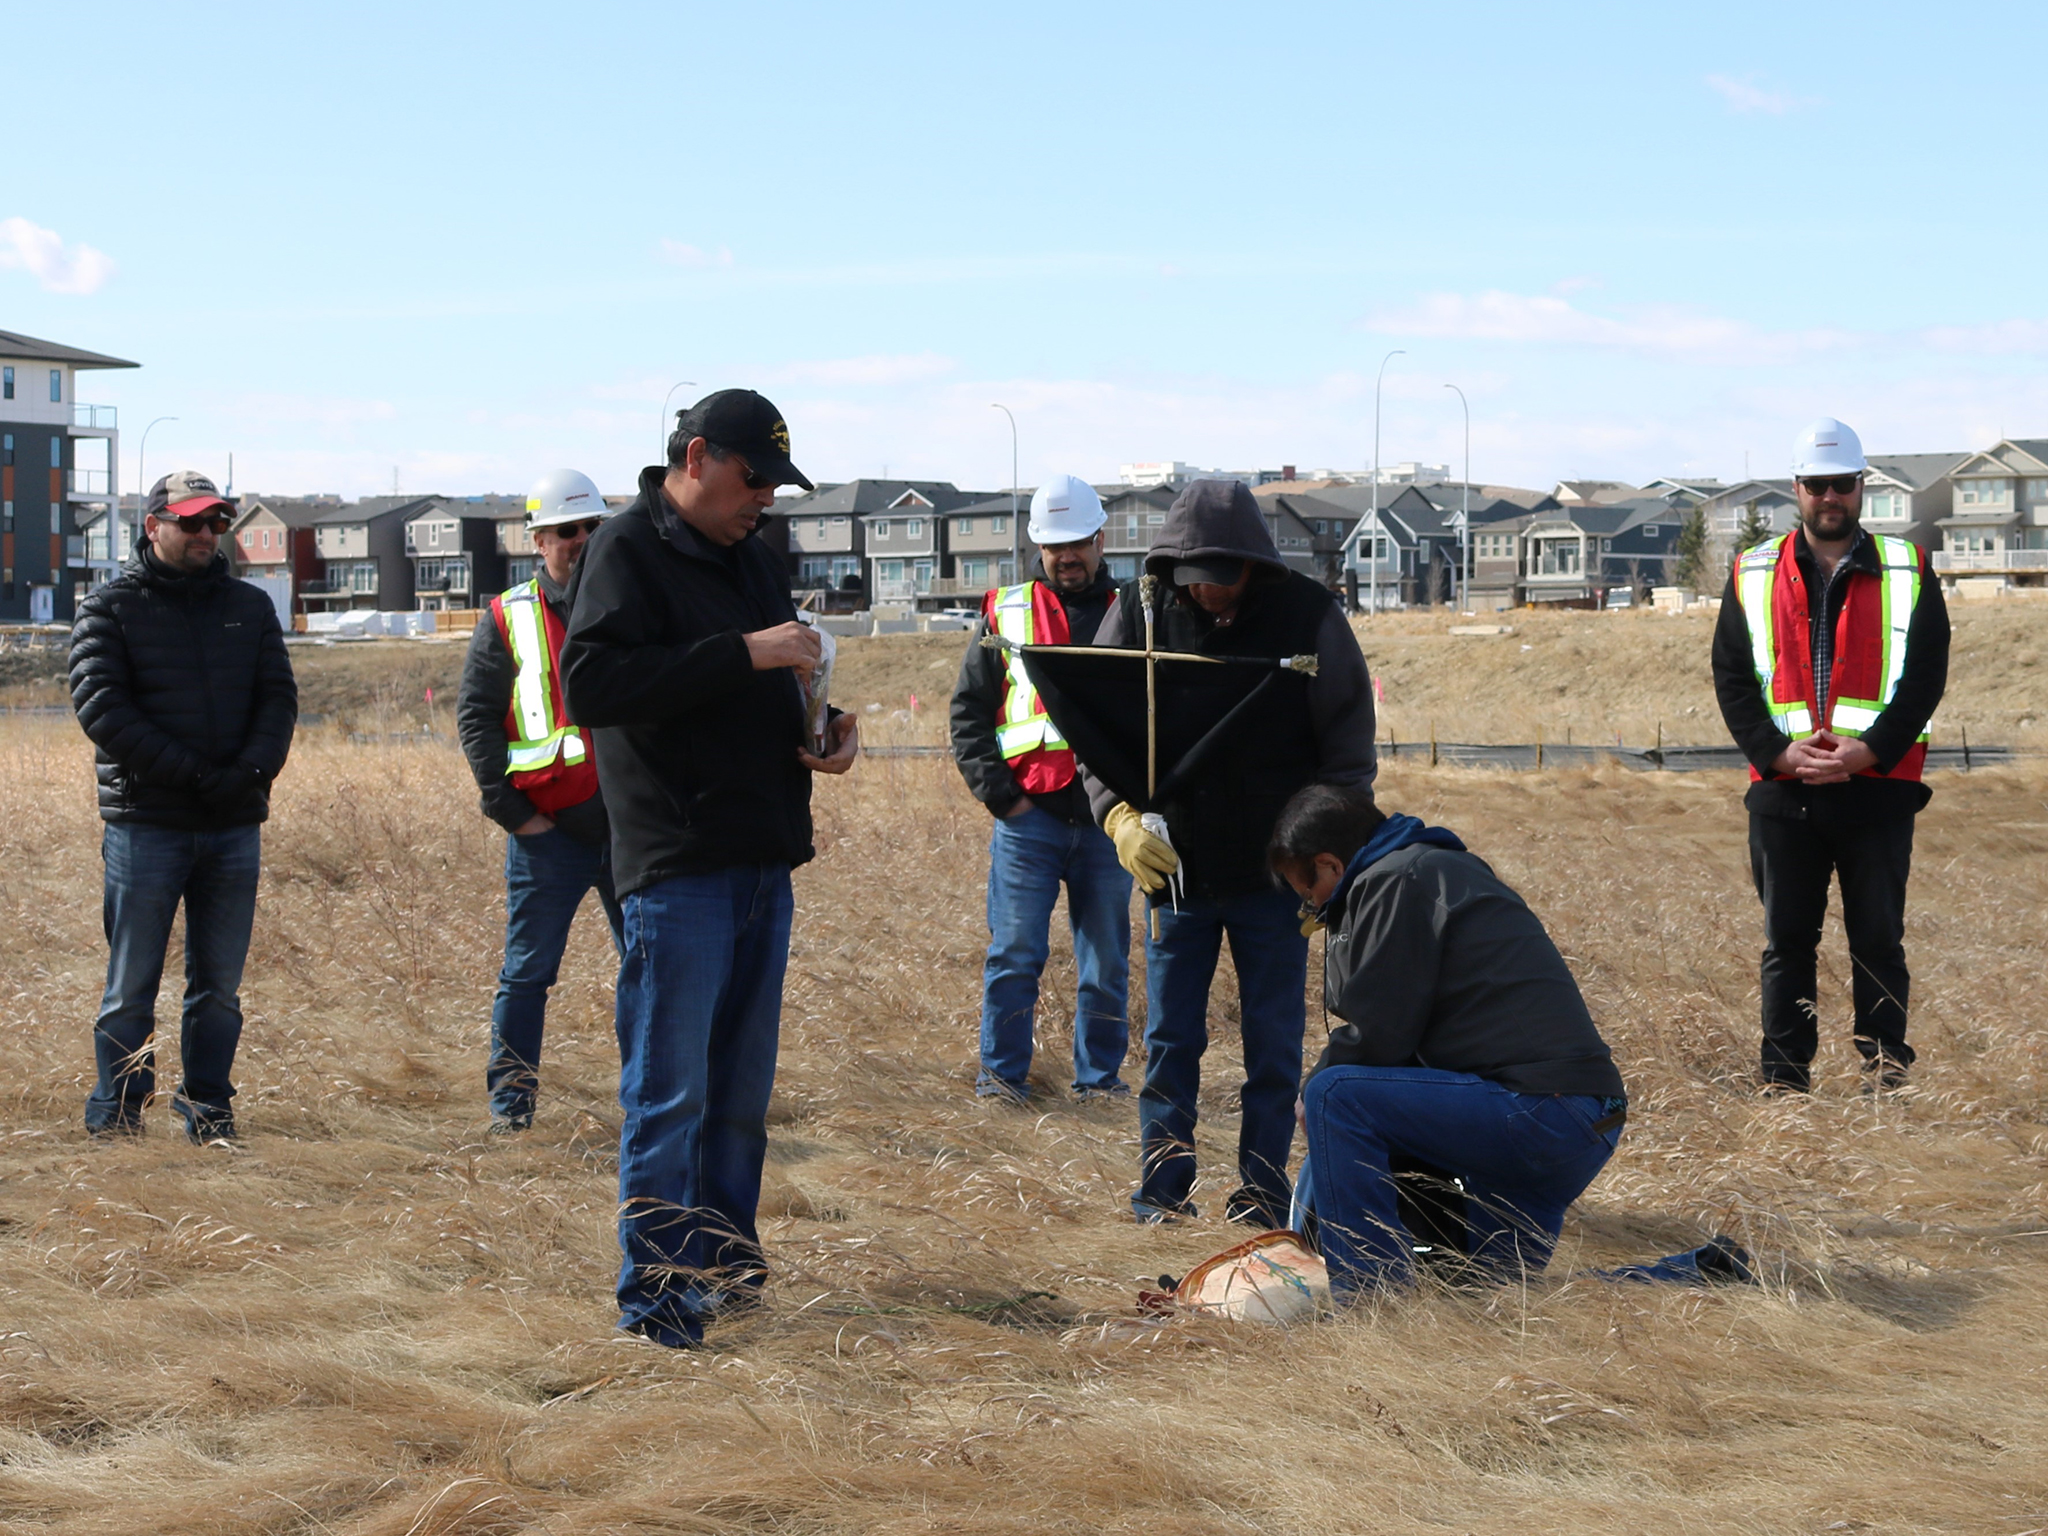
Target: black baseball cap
{"points": [[1212, 570], [747, 424]]}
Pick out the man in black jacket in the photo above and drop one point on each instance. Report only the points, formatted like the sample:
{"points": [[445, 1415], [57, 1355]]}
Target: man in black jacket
{"points": [[1829, 658], [686, 659], [180, 678], [539, 782], [1466, 1047], [1019, 766], [1224, 591]]}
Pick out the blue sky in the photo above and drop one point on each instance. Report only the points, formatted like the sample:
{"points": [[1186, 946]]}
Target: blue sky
{"points": [[470, 243]]}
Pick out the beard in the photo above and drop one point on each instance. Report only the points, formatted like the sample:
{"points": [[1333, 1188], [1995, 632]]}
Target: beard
{"points": [[1831, 524]]}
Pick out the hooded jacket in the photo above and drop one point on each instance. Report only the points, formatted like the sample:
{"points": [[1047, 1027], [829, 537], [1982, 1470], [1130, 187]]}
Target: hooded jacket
{"points": [[695, 749], [184, 687], [1306, 730], [978, 700]]}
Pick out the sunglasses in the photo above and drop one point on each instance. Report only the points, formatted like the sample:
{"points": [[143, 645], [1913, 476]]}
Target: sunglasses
{"points": [[753, 481], [194, 521], [1820, 485], [574, 530]]}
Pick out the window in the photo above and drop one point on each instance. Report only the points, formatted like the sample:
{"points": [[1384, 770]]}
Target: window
{"points": [[266, 538], [914, 528], [818, 526], [7, 446], [6, 383], [56, 453], [838, 522], [362, 578], [56, 385], [999, 525], [1983, 492], [2037, 490], [882, 529], [1883, 504], [967, 530], [1155, 518], [518, 570]]}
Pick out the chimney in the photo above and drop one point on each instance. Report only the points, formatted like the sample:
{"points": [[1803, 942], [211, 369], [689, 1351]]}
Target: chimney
{"points": [[1286, 471]]}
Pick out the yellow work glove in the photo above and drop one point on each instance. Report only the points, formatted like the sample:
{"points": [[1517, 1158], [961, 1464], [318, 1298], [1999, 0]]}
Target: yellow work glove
{"points": [[1149, 859], [1311, 925]]}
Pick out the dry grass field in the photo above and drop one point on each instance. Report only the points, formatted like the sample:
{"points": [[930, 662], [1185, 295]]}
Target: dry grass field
{"points": [[370, 1318]]}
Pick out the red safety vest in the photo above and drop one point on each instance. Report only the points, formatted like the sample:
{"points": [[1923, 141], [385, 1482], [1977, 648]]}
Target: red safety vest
{"points": [[549, 760], [1870, 641], [1030, 613]]}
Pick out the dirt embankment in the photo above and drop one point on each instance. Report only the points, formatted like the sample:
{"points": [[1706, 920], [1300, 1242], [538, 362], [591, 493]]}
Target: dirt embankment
{"points": [[1562, 676]]}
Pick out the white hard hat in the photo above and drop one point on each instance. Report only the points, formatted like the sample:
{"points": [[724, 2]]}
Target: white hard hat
{"points": [[1827, 448], [563, 496], [1064, 510]]}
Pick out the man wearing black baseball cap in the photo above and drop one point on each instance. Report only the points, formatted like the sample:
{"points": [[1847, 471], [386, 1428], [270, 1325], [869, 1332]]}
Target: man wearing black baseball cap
{"points": [[684, 659], [179, 676]]}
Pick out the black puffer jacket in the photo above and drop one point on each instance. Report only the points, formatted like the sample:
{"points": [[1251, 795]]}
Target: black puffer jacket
{"points": [[183, 684]]}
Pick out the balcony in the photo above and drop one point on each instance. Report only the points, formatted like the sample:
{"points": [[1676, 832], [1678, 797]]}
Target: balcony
{"points": [[1992, 562], [89, 484], [94, 418]]}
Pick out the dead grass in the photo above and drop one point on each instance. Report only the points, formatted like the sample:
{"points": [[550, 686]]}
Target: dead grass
{"points": [[370, 1319]]}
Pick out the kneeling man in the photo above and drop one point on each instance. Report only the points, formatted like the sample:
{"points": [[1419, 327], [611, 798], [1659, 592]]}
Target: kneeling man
{"points": [[1466, 1046]]}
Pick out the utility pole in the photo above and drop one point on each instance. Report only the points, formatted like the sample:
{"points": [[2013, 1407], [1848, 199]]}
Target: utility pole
{"points": [[1377, 382], [1016, 546], [120, 552], [1465, 513]]}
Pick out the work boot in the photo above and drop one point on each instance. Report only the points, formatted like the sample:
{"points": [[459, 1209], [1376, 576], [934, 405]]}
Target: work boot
{"points": [[1724, 1262], [1881, 1074], [512, 1124], [1162, 1215]]}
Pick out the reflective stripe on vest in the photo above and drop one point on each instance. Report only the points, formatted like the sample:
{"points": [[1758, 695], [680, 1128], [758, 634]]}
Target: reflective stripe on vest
{"points": [[1756, 575], [544, 730], [1024, 726], [1899, 575]]}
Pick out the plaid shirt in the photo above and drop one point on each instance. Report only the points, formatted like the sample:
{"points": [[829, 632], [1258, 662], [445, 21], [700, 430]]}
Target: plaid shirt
{"points": [[1824, 613]]}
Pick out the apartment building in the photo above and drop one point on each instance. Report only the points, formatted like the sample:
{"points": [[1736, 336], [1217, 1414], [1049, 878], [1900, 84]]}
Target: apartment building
{"points": [[59, 468]]}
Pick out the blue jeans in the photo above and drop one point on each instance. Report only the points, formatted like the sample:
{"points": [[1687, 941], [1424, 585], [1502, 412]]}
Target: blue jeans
{"points": [[546, 876], [699, 1009], [149, 870], [1266, 944], [1522, 1158], [1028, 858]]}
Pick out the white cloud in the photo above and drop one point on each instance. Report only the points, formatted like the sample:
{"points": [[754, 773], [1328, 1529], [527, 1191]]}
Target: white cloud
{"points": [[77, 269], [678, 254], [2000, 337], [1748, 98], [1547, 319], [879, 368]]}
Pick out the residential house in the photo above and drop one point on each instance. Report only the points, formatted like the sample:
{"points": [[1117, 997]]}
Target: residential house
{"points": [[1771, 504], [1574, 555], [985, 540], [272, 537], [1908, 494], [1309, 530], [1997, 525], [1690, 492], [906, 540], [58, 466], [456, 550], [1134, 515], [363, 555], [884, 538], [1403, 554]]}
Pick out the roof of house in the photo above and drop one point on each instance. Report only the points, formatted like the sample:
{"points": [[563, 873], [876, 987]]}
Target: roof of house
{"points": [[1593, 491], [2034, 448], [372, 507], [993, 506], [293, 514], [865, 498], [14, 344], [1916, 471]]}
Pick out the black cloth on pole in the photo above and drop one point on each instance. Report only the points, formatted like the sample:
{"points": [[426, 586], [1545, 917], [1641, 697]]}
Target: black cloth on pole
{"points": [[1098, 703]]}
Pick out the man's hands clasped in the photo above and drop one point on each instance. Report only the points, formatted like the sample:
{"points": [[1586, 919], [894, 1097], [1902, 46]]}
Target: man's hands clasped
{"points": [[1824, 758]]}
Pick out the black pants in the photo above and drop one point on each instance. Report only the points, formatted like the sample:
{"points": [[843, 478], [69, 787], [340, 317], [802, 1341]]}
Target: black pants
{"points": [[1791, 860]]}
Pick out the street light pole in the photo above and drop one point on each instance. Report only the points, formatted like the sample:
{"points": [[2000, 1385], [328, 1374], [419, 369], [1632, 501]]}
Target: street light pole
{"points": [[1377, 382], [120, 551], [666, 427], [1016, 547], [1465, 513]]}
